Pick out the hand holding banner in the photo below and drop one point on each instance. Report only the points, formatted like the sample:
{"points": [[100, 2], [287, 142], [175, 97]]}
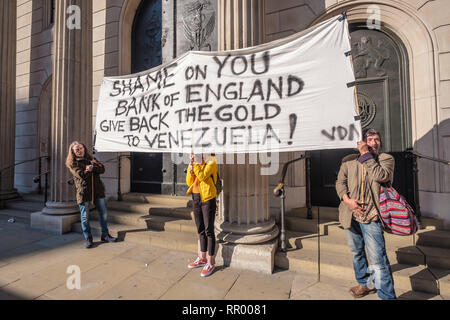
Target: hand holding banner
{"points": [[287, 95]]}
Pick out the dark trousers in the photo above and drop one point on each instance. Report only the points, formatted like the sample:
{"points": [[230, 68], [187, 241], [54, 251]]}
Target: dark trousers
{"points": [[204, 214]]}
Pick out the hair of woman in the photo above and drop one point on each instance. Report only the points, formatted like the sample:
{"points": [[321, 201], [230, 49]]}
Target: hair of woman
{"points": [[71, 155]]}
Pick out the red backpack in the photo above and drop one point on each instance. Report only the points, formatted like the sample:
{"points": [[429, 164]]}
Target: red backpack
{"points": [[397, 215]]}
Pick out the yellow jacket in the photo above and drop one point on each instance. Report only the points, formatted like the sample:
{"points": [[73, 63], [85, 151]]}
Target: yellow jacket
{"points": [[203, 173]]}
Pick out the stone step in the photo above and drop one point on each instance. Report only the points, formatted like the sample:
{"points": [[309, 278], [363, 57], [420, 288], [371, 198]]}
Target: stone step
{"points": [[34, 197], [175, 201], [334, 228], [432, 223], [336, 258], [151, 209], [332, 213], [435, 257], [128, 206], [403, 247], [434, 243], [443, 276], [159, 223], [180, 213], [402, 294], [183, 241], [338, 245], [434, 238], [326, 213], [18, 215], [336, 242], [24, 206], [428, 236], [307, 225], [338, 265], [123, 218]]}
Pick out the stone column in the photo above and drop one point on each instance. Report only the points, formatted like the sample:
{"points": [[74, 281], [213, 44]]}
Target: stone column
{"points": [[71, 107], [244, 205], [7, 97], [241, 23], [244, 223]]}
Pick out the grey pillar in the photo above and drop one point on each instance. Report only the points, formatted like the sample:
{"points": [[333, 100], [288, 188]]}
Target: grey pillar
{"points": [[71, 104], [7, 97], [244, 219]]}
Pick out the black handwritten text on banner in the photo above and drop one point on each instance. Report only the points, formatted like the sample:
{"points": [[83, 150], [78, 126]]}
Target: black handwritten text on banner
{"points": [[288, 95]]}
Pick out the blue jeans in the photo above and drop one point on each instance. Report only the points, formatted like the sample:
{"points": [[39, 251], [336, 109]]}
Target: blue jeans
{"points": [[370, 236], [84, 209]]}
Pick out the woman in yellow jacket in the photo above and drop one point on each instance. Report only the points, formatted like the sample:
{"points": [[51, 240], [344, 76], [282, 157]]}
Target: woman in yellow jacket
{"points": [[201, 178]]}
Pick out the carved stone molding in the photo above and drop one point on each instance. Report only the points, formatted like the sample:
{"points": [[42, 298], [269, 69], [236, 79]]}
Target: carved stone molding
{"points": [[369, 55], [367, 109], [199, 22]]}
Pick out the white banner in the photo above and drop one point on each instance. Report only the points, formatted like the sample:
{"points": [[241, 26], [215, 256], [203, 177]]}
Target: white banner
{"points": [[287, 95]]}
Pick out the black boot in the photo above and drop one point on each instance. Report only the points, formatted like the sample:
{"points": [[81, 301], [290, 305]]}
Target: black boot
{"points": [[89, 243], [108, 238]]}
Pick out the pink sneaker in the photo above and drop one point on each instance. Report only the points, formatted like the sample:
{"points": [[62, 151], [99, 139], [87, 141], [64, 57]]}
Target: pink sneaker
{"points": [[207, 270], [197, 263]]}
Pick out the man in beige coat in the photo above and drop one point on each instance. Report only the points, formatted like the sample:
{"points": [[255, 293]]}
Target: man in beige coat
{"points": [[358, 188]]}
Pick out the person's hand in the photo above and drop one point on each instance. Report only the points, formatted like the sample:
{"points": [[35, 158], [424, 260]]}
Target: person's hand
{"points": [[192, 158], [363, 147], [89, 168], [355, 205]]}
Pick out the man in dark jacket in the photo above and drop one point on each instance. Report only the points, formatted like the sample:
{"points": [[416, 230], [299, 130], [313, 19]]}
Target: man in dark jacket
{"points": [[358, 187], [86, 172]]}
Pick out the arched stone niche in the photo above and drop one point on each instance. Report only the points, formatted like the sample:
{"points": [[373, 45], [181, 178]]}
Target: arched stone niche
{"points": [[409, 26]]}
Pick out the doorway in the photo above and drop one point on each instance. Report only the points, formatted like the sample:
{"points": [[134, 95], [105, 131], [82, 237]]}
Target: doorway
{"points": [[146, 168]]}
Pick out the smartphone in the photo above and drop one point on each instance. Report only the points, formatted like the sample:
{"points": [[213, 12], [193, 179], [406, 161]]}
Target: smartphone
{"points": [[198, 158]]}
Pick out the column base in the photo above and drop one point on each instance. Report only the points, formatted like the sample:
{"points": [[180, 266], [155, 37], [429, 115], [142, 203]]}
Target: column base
{"points": [[56, 217], [54, 224], [247, 234], [260, 258], [60, 208]]}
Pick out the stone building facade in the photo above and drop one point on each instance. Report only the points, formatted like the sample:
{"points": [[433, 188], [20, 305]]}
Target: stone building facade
{"points": [[405, 40]]}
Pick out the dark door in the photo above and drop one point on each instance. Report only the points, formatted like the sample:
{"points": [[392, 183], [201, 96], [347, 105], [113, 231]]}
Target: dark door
{"points": [[380, 65], [146, 168]]}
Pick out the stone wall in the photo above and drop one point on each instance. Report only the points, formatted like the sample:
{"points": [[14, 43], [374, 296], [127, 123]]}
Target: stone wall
{"points": [[34, 71], [34, 67]]}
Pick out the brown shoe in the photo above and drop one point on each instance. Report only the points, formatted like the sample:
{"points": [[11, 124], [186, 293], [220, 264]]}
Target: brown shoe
{"points": [[361, 291]]}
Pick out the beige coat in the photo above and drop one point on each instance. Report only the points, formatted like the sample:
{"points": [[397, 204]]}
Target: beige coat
{"points": [[349, 181]]}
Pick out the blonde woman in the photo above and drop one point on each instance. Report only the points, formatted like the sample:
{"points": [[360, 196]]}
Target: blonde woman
{"points": [[86, 171]]}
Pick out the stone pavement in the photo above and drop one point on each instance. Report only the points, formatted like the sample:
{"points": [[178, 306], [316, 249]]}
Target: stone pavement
{"points": [[33, 265]]}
